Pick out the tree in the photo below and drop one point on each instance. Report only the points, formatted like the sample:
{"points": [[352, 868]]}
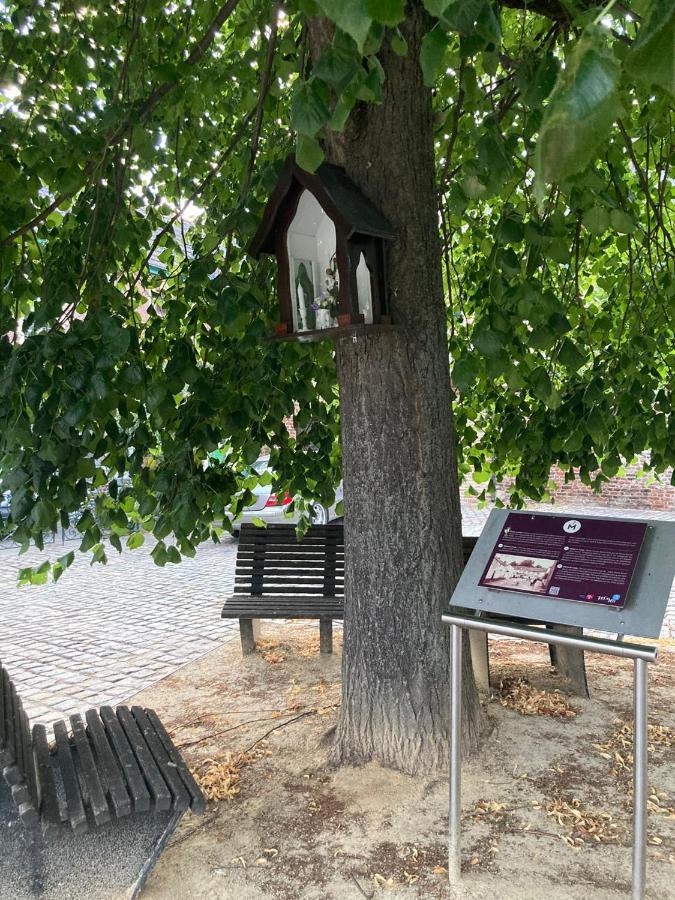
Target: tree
{"points": [[403, 528], [533, 198]]}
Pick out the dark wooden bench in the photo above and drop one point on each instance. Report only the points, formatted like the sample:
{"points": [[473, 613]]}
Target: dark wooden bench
{"points": [[278, 576], [111, 781]]}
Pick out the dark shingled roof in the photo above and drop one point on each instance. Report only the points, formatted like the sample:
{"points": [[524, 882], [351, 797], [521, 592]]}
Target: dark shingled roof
{"points": [[338, 196]]}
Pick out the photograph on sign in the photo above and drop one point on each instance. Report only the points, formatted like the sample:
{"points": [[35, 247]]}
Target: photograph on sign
{"points": [[589, 560]]}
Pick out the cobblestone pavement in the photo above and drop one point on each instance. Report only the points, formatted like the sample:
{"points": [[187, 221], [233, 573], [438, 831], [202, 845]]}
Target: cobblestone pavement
{"points": [[103, 633]]}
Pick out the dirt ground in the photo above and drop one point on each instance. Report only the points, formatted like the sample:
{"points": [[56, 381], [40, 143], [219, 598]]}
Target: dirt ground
{"points": [[546, 803]]}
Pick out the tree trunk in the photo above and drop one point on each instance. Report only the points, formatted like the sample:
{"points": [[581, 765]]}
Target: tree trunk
{"points": [[402, 510]]}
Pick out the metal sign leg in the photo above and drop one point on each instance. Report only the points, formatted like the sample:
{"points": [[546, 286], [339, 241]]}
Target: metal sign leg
{"points": [[454, 830], [640, 779]]}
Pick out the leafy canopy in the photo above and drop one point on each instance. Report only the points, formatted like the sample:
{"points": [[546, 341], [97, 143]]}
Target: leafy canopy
{"points": [[138, 143]]}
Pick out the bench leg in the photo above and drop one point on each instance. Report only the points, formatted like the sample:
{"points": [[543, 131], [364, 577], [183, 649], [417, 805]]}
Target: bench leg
{"points": [[569, 661], [480, 659], [249, 630], [326, 635]]}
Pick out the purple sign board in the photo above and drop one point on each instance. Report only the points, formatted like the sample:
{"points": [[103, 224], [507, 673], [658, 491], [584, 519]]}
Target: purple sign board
{"points": [[590, 560]]}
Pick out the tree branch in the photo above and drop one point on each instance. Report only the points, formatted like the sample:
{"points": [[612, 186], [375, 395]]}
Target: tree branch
{"points": [[645, 184], [556, 10], [265, 82], [193, 196], [137, 115]]}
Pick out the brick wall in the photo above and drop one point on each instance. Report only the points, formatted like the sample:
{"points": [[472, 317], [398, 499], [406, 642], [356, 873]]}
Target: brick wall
{"points": [[626, 491]]}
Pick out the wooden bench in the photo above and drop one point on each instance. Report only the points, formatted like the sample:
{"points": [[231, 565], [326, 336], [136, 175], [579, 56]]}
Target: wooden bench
{"points": [[279, 577], [111, 781]]}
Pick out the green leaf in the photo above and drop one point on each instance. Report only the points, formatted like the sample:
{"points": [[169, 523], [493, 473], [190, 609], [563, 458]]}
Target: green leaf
{"points": [[158, 554], [66, 560], [437, 7], [172, 555], [85, 521], [340, 115], [309, 107], [350, 16], [42, 514], [559, 323], [651, 59], [398, 44], [89, 540], [135, 540], [511, 231], [336, 66], [596, 219], [570, 355], [488, 342], [580, 113], [308, 153], [621, 222], [432, 53], [465, 372], [388, 12], [541, 384], [541, 338]]}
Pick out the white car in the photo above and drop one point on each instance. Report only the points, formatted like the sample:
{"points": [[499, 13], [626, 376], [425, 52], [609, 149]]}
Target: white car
{"points": [[272, 508]]}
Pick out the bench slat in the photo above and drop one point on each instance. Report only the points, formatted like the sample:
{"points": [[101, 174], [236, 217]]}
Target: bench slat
{"points": [[181, 800], [3, 739], [29, 761], [132, 773], [158, 788], [309, 600], [50, 807], [270, 610], [294, 590], [8, 753], [76, 813], [253, 535], [275, 567], [198, 804], [289, 578], [115, 785], [258, 555], [95, 795], [10, 721]]}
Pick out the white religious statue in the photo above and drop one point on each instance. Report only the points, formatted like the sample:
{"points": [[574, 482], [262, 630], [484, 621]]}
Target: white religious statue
{"points": [[302, 307]]}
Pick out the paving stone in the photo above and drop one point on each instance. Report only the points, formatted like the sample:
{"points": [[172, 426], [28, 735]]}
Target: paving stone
{"points": [[102, 634]]}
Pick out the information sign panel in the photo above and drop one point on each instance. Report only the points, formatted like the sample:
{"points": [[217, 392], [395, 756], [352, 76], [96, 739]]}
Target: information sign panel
{"points": [[643, 599], [590, 560]]}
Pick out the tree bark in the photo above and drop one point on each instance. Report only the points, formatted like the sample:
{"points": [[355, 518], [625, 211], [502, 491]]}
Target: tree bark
{"points": [[403, 517]]}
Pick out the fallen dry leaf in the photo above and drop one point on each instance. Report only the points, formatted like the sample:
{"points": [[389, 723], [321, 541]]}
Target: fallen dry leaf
{"points": [[519, 695], [220, 780], [581, 826], [490, 812]]}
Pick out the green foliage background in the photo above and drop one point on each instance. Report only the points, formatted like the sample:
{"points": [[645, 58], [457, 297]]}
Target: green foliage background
{"points": [[138, 143]]}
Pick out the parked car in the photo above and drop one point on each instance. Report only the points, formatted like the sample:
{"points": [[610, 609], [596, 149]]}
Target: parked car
{"points": [[273, 508]]}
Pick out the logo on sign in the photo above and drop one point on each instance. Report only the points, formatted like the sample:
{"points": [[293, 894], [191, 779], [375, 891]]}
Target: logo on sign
{"points": [[571, 526]]}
